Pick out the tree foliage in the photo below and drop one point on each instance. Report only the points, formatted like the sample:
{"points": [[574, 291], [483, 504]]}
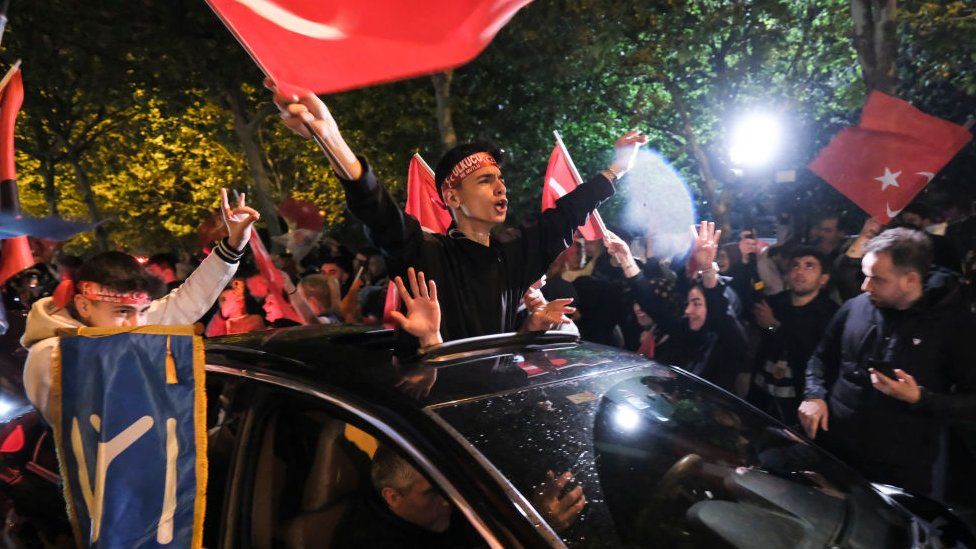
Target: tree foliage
{"points": [[137, 112]]}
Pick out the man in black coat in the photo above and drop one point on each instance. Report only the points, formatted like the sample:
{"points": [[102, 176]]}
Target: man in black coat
{"points": [[482, 268], [793, 322], [894, 365]]}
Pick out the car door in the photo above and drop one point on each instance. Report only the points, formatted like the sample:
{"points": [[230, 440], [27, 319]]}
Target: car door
{"points": [[303, 461]]}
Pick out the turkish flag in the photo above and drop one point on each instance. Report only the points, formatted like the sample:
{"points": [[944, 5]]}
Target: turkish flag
{"points": [[264, 263], [424, 203], [562, 178], [884, 161], [16, 251], [301, 214], [332, 46], [423, 200], [13, 98]]}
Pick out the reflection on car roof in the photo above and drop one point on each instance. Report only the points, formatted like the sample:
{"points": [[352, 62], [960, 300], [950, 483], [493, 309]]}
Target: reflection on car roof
{"points": [[360, 359]]}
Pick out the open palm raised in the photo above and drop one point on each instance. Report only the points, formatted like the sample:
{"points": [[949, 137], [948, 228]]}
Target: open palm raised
{"points": [[423, 318]]}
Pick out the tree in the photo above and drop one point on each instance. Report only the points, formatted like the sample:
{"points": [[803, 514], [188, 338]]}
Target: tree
{"points": [[876, 42]]}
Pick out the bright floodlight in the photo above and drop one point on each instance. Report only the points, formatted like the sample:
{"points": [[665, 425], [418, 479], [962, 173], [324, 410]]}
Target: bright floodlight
{"points": [[755, 140], [626, 418]]}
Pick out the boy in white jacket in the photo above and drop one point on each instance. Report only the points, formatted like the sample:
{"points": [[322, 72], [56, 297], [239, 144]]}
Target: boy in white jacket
{"points": [[112, 290]]}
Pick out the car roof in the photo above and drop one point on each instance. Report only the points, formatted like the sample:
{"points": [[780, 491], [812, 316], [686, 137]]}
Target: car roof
{"points": [[360, 359]]}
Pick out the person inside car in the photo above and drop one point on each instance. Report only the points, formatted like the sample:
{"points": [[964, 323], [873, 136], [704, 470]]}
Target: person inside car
{"points": [[403, 509], [483, 267], [112, 290]]}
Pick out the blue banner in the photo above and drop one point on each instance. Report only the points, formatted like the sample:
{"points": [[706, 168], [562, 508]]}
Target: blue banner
{"points": [[131, 435]]}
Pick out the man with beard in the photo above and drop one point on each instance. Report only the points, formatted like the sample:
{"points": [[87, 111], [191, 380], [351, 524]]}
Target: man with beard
{"points": [[483, 268], [792, 321], [894, 366]]}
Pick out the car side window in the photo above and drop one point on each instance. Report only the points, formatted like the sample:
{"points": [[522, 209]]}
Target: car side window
{"points": [[310, 477], [227, 399]]}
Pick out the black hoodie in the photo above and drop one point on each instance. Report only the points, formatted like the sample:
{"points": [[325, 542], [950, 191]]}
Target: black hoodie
{"points": [[480, 287], [890, 440]]}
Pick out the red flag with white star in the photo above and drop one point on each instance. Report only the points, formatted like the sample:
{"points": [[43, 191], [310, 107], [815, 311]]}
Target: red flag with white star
{"points": [[562, 178], [339, 45], [884, 161]]}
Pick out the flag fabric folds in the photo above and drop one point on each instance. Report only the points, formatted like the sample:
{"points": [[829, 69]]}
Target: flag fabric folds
{"points": [[327, 47], [130, 430], [16, 250], [10, 103], [562, 178], [265, 264], [301, 214], [423, 200], [887, 159]]}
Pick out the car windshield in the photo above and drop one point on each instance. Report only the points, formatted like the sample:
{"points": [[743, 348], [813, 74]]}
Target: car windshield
{"points": [[665, 460]]}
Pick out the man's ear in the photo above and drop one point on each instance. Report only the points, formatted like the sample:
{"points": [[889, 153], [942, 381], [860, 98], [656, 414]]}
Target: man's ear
{"points": [[824, 279], [451, 198], [390, 496], [912, 278], [83, 307]]}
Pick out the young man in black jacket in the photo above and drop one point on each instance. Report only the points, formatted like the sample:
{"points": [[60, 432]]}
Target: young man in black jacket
{"points": [[482, 267], [896, 363], [792, 322]]}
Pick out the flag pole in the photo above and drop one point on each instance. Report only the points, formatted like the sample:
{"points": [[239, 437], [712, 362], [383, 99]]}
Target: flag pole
{"points": [[336, 165], [10, 74], [423, 163], [579, 180]]}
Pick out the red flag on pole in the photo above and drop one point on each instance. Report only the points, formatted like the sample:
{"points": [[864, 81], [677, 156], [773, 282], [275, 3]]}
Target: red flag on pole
{"points": [[884, 161], [265, 265], [426, 204], [423, 200], [301, 214], [17, 254], [327, 47], [562, 178]]}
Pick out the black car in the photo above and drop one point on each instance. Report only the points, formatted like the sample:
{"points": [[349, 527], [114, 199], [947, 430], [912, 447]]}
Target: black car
{"points": [[664, 458]]}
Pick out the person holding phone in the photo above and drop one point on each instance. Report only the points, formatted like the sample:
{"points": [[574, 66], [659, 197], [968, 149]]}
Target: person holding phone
{"points": [[894, 366]]}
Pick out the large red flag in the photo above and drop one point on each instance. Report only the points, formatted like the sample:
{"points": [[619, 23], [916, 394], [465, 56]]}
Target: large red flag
{"points": [[883, 162], [344, 44], [423, 200], [17, 254], [562, 178], [426, 204]]}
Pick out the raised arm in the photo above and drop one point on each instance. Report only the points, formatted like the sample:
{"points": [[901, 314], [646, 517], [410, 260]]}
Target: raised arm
{"points": [[302, 113], [186, 304], [388, 227], [546, 234]]}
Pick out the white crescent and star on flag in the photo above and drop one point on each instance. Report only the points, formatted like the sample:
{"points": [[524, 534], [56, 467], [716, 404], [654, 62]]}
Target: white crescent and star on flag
{"points": [[554, 185], [290, 21], [890, 179]]}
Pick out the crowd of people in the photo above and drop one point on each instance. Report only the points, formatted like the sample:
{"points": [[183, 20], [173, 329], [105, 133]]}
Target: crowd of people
{"points": [[860, 342]]}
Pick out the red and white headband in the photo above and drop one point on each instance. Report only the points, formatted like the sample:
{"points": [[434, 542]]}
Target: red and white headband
{"points": [[467, 166], [97, 292]]}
